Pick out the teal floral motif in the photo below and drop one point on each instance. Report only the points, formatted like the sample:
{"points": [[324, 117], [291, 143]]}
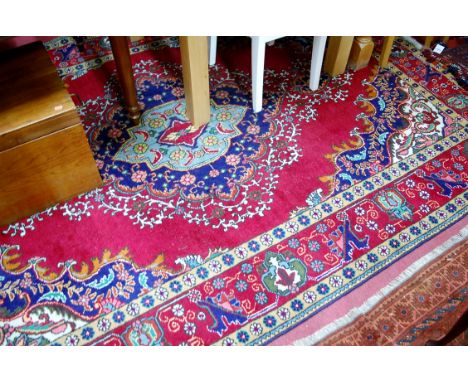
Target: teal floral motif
{"points": [[282, 274], [459, 101], [175, 143], [394, 204], [146, 332]]}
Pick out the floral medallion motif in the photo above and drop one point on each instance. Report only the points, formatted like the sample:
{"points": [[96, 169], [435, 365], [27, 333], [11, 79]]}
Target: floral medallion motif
{"points": [[283, 275], [165, 139], [218, 174]]}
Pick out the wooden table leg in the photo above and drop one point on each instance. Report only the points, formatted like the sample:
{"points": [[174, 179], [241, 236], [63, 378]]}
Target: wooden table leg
{"points": [[336, 57], [123, 64], [386, 50], [428, 41], [361, 52], [194, 51]]}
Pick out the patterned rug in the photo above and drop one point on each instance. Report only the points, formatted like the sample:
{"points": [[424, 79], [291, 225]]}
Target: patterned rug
{"points": [[238, 231], [423, 309]]}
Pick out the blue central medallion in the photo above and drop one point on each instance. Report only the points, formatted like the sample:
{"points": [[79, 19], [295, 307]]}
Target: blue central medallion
{"points": [[165, 139]]}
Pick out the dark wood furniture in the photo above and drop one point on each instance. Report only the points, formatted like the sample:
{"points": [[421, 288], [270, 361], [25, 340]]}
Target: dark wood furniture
{"points": [[123, 65], [44, 154]]}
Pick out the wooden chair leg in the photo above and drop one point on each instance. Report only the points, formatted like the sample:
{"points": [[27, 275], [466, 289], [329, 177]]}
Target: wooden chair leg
{"points": [[386, 50], [361, 52], [318, 52], [123, 64], [258, 63], [337, 54]]}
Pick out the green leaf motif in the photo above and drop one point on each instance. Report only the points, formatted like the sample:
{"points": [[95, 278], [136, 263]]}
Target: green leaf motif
{"points": [[143, 280], [53, 296], [104, 281]]}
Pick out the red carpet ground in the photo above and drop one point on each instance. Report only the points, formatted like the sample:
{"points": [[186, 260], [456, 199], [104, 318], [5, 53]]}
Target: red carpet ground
{"points": [[237, 232]]}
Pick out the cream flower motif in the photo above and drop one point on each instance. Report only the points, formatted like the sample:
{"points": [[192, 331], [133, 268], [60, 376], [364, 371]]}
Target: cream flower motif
{"points": [[336, 281], [241, 252], [178, 92], [213, 173], [210, 140], [309, 297], [316, 214], [232, 160], [378, 181], [253, 129], [359, 191], [178, 310], [228, 342], [256, 329], [291, 227], [133, 309], [394, 171], [266, 240], [187, 179], [72, 340], [178, 155], [337, 202], [189, 280], [103, 324], [372, 225], [283, 313], [114, 133], [361, 265], [161, 293], [139, 176], [215, 266], [190, 328], [383, 251]]}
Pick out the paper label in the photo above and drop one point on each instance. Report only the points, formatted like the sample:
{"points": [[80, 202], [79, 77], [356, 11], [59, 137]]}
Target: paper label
{"points": [[438, 49]]}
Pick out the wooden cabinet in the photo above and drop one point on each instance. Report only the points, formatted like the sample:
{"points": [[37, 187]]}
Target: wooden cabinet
{"points": [[44, 154]]}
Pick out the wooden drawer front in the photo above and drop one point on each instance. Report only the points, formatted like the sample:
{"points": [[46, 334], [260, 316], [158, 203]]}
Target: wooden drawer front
{"points": [[45, 171]]}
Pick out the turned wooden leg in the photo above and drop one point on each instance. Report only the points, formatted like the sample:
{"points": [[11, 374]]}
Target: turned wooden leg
{"points": [[123, 64], [428, 41], [337, 54], [194, 51], [361, 52], [386, 50]]}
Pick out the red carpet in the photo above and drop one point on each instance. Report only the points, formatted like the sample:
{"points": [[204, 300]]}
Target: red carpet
{"points": [[239, 231]]}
